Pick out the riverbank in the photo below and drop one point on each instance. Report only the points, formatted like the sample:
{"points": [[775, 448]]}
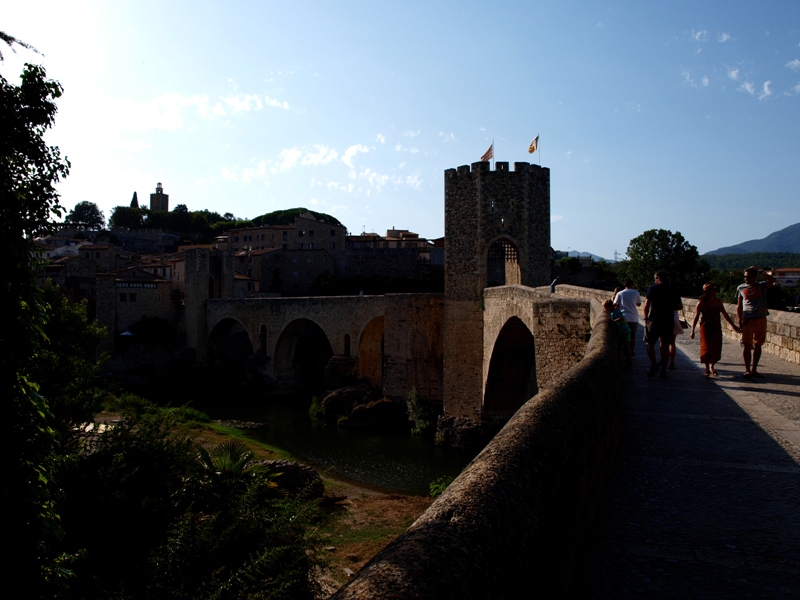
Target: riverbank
{"points": [[360, 523]]}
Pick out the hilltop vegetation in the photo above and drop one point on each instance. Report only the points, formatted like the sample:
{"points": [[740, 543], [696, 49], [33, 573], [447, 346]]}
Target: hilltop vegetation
{"points": [[785, 240], [730, 262], [201, 226]]}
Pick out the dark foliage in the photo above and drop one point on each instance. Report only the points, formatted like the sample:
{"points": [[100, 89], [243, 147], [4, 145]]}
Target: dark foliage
{"points": [[731, 262], [29, 170], [660, 249]]}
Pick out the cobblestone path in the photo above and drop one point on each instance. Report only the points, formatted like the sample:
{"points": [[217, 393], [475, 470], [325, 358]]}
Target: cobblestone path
{"points": [[705, 502]]}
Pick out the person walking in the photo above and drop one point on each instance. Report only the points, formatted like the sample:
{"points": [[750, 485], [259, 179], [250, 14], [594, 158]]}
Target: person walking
{"points": [[751, 308], [709, 310], [659, 308], [629, 301]]}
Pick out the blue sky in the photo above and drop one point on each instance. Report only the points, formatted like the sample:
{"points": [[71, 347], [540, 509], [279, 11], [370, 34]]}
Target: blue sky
{"points": [[675, 115]]}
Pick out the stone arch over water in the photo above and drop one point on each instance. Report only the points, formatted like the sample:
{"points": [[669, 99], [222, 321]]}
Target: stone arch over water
{"points": [[301, 353], [229, 346], [512, 371]]}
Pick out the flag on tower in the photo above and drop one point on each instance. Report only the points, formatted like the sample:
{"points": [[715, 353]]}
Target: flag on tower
{"points": [[489, 154], [534, 145]]}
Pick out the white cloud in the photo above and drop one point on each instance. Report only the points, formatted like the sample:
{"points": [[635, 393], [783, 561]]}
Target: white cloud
{"points": [[447, 137], [414, 181], [700, 36], [704, 81], [723, 37], [795, 89], [794, 65], [314, 201], [351, 152], [242, 103], [765, 91], [633, 107], [554, 218], [400, 148], [568, 154], [257, 172], [733, 74], [321, 155], [747, 87], [289, 158], [412, 134], [276, 103], [380, 138]]}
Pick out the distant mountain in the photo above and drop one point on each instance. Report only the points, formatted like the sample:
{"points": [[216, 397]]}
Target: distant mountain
{"points": [[785, 240], [578, 254]]}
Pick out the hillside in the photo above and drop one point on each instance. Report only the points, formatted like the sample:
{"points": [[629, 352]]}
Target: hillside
{"points": [[785, 240], [729, 262]]}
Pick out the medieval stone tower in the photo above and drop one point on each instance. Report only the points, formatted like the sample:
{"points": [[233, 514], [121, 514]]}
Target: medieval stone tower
{"points": [[159, 201], [497, 232]]}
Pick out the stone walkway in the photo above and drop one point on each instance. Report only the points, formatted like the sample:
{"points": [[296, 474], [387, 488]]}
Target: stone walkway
{"points": [[705, 502]]}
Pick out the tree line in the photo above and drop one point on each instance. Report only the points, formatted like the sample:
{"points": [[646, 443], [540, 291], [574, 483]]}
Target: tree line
{"points": [[134, 510]]}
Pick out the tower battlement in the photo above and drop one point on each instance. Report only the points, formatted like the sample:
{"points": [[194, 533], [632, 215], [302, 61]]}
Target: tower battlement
{"points": [[499, 167]]}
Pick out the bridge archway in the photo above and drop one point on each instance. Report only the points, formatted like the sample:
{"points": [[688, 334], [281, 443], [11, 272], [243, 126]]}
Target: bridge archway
{"points": [[229, 347], [512, 371], [502, 263], [302, 351], [370, 353]]}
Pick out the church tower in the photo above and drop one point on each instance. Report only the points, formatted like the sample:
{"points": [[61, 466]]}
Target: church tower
{"points": [[159, 200]]}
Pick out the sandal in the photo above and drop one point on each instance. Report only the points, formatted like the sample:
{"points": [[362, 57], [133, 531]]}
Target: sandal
{"points": [[747, 375]]}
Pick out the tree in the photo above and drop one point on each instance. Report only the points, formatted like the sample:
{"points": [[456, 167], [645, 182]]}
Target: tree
{"points": [[124, 217], [660, 249], [135, 201], [29, 170], [86, 215]]}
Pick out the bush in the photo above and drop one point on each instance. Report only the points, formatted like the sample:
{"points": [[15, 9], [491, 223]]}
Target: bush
{"points": [[439, 485]]}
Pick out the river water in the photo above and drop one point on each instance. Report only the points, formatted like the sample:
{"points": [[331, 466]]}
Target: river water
{"points": [[393, 462]]}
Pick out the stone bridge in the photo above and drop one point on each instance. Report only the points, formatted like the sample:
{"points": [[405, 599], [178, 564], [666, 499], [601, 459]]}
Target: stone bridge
{"points": [[394, 341]]}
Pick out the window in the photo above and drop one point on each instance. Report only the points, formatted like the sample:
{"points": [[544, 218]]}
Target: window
{"points": [[235, 238], [285, 234], [311, 245], [333, 245], [333, 233], [300, 246], [88, 255], [123, 297], [310, 233], [301, 233], [132, 297], [285, 246], [97, 255]]}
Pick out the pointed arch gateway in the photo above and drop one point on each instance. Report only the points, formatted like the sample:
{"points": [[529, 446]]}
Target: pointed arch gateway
{"points": [[511, 381], [502, 263]]}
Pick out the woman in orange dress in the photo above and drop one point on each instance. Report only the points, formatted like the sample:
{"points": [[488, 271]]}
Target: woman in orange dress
{"points": [[709, 310]]}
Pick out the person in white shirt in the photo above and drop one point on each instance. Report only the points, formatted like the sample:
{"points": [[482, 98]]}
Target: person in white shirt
{"points": [[629, 302]]}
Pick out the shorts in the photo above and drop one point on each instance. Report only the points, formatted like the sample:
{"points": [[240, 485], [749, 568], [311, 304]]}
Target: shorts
{"points": [[754, 331], [634, 326], [654, 331]]}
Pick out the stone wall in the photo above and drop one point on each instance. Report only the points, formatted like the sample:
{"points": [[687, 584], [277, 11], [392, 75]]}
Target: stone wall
{"points": [[515, 519], [413, 346]]}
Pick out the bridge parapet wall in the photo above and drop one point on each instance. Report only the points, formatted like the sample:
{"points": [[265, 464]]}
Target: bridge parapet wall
{"points": [[519, 512]]}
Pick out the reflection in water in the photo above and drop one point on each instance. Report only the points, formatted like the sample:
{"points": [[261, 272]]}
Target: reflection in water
{"points": [[391, 461]]}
